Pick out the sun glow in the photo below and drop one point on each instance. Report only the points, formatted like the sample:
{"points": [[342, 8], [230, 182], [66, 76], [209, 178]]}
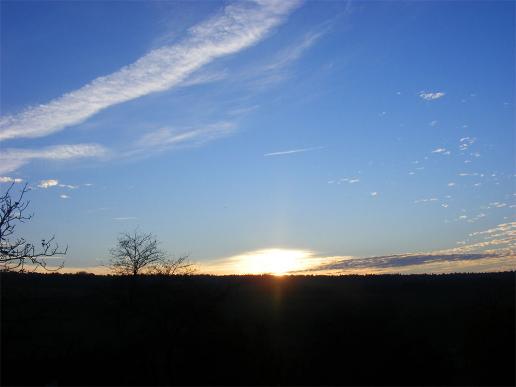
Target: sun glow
{"points": [[275, 261], [272, 261]]}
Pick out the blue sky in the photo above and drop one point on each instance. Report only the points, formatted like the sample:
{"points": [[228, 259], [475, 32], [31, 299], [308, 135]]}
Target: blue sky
{"points": [[341, 130]]}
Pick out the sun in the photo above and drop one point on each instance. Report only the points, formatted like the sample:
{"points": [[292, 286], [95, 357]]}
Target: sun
{"points": [[272, 261]]}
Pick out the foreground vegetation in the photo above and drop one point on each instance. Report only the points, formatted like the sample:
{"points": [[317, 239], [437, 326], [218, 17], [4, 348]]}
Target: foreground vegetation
{"points": [[189, 330]]}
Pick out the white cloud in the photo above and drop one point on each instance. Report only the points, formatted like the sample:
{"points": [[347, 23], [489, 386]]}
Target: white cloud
{"points": [[498, 204], [439, 150], [64, 196], [8, 179], [451, 184], [48, 183], [466, 142], [429, 96], [291, 151], [122, 218], [236, 27], [433, 123], [374, 193], [14, 158]]}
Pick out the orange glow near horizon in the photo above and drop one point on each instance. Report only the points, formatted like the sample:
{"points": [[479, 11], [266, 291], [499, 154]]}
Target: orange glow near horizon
{"points": [[272, 261], [276, 261]]}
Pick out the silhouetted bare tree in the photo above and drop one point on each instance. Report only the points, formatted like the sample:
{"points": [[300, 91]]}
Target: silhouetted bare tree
{"points": [[16, 252], [136, 253]]}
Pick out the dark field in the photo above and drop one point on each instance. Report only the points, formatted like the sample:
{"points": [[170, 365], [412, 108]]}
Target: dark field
{"points": [[258, 330]]}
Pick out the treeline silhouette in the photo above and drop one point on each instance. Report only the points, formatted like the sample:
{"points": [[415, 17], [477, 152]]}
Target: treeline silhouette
{"points": [[456, 329]]}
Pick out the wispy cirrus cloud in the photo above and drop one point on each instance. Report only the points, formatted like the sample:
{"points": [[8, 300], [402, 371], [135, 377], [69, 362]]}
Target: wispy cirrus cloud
{"points": [[236, 27], [292, 151], [295, 51], [276, 70], [14, 158], [165, 138], [266, 72]]}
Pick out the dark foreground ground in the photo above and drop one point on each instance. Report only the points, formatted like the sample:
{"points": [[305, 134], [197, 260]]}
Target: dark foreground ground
{"points": [[258, 330]]}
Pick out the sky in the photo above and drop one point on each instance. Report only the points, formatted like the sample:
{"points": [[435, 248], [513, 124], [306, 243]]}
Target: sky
{"points": [[268, 136]]}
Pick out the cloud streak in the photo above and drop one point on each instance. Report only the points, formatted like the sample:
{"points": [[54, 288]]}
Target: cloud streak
{"points": [[292, 151], [235, 28], [14, 158]]}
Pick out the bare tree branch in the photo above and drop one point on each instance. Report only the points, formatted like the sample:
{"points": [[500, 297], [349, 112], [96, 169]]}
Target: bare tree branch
{"points": [[16, 253]]}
